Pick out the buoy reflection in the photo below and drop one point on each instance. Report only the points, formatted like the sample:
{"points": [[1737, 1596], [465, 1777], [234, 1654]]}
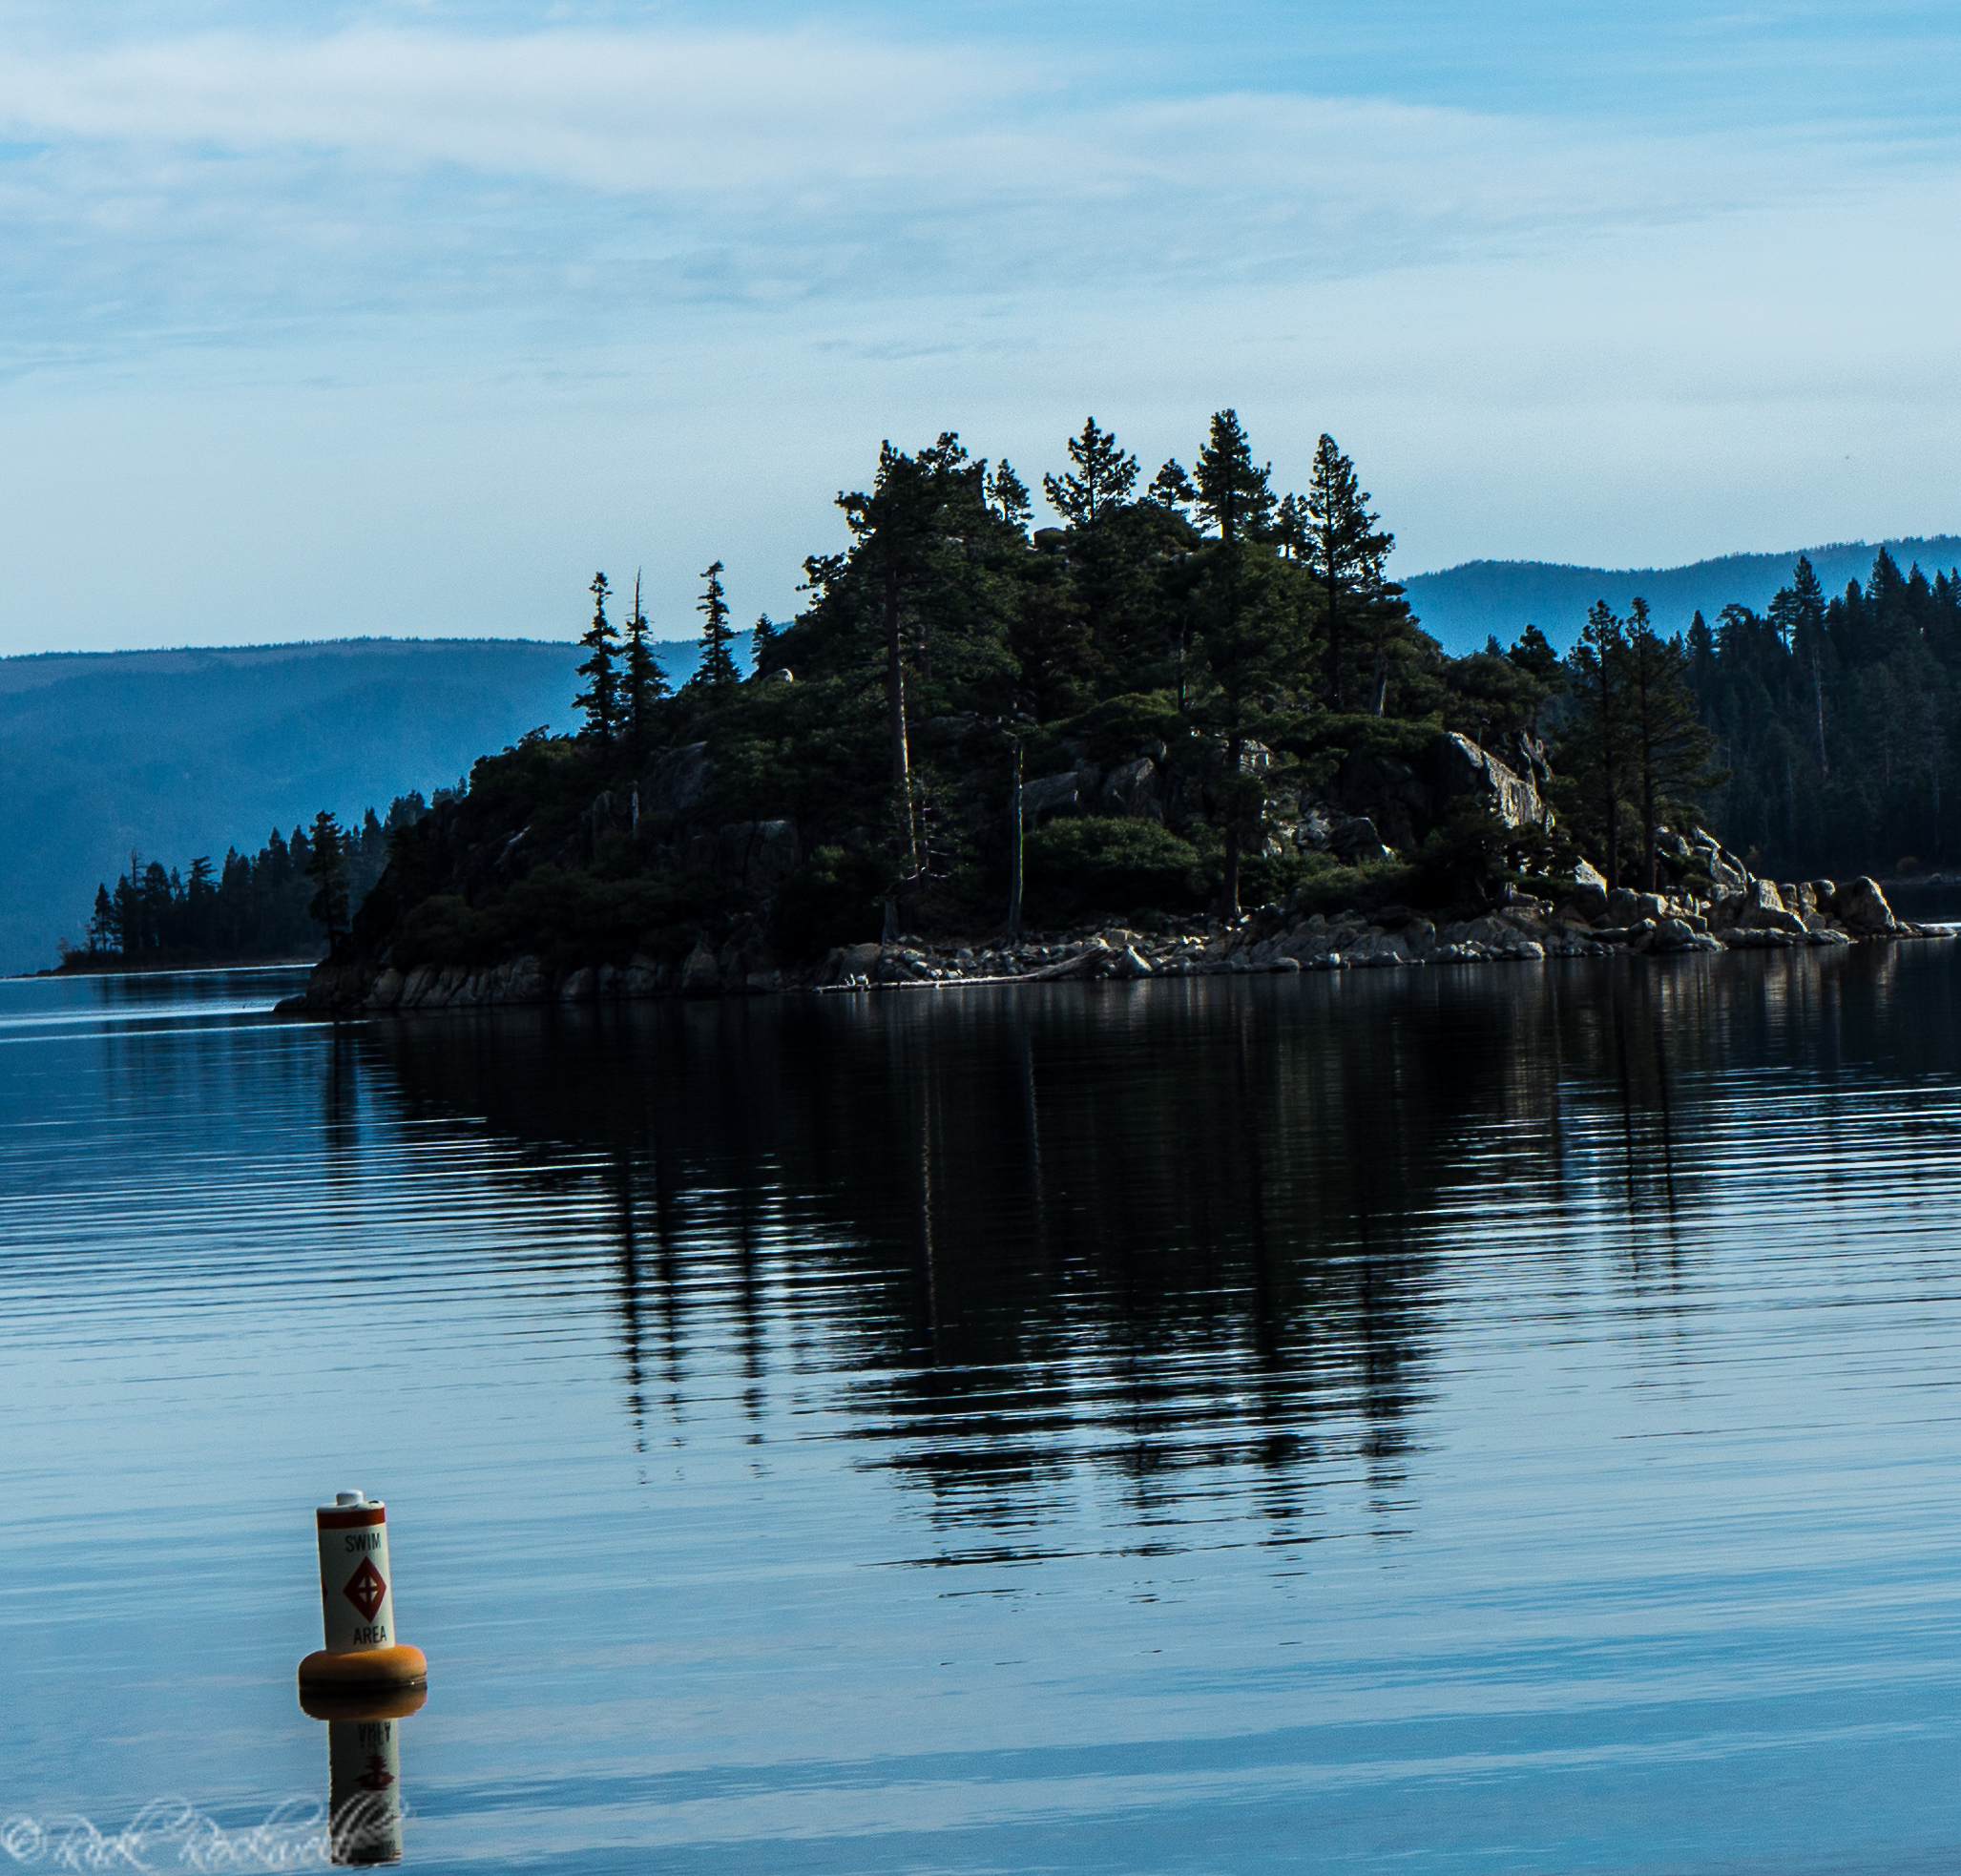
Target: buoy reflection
{"points": [[365, 1771]]}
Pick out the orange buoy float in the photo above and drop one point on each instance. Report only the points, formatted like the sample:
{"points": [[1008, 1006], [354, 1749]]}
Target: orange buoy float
{"points": [[357, 1601]]}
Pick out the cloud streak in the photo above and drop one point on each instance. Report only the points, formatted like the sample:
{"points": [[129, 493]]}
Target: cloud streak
{"points": [[401, 287], [861, 165]]}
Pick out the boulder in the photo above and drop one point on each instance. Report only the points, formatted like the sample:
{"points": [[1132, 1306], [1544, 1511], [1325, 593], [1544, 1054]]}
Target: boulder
{"points": [[1625, 907], [526, 982], [1588, 900], [1763, 910], [386, 993], [1356, 839], [1132, 788], [1587, 874], [1376, 949], [701, 974], [677, 785], [1460, 767], [581, 986], [1049, 794], [859, 960], [1860, 907], [1317, 824], [1672, 934]]}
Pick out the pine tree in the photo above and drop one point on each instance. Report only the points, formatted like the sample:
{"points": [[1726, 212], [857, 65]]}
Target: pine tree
{"points": [[1233, 493], [645, 683], [105, 928], [1531, 650], [1102, 478], [1801, 606], [1595, 750], [327, 867], [717, 673], [1344, 551], [762, 659], [600, 698], [1171, 487], [1669, 751], [1008, 497]]}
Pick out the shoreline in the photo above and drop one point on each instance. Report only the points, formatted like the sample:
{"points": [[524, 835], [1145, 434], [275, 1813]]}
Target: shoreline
{"points": [[1520, 931]]}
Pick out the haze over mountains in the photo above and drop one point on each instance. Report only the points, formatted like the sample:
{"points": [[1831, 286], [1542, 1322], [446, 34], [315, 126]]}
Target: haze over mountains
{"points": [[186, 752], [1462, 605]]}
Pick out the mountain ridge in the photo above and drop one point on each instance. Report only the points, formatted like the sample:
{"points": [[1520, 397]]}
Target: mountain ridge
{"points": [[185, 750], [1461, 606]]}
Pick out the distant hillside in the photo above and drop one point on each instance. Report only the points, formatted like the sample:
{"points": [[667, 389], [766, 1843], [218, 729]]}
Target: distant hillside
{"points": [[185, 752], [1462, 605]]}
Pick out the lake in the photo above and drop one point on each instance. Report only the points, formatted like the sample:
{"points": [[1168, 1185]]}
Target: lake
{"points": [[1501, 1419]]}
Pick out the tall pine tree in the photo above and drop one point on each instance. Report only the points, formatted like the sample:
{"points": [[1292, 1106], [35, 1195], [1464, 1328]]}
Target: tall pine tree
{"points": [[645, 684], [600, 698], [1669, 751], [1103, 477], [1346, 552], [717, 673]]}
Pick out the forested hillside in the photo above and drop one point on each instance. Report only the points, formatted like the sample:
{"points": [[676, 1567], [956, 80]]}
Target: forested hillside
{"points": [[247, 907], [182, 753], [1835, 716], [1462, 605]]}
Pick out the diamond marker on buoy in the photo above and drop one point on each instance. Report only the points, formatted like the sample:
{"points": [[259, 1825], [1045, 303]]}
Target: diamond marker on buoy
{"points": [[365, 1590]]}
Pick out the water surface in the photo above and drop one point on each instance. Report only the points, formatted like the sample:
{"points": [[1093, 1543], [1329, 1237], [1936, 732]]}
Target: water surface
{"points": [[1490, 1420]]}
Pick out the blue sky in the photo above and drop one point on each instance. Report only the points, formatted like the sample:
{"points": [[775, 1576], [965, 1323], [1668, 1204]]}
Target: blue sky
{"points": [[402, 317]]}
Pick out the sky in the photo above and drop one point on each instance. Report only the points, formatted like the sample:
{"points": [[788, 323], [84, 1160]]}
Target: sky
{"points": [[403, 318]]}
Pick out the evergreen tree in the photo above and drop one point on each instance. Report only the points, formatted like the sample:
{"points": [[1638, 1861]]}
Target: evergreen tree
{"points": [[1102, 478], [1171, 487], [1594, 751], [645, 683], [1669, 750], [1232, 493], [1008, 497], [762, 657], [1252, 645], [105, 926], [1533, 652], [327, 867], [1346, 552], [717, 673], [600, 698]]}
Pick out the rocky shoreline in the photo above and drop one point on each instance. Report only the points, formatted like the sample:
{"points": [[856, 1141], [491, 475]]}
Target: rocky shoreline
{"points": [[1590, 923]]}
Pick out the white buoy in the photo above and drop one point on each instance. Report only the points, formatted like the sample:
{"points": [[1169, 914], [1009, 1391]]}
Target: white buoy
{"points": [[357, 1601]]}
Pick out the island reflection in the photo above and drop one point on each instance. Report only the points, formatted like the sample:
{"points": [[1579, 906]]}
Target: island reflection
{"points": [[1167, 1233]]}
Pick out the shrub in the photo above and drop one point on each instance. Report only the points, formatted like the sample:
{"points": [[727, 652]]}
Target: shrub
{"points": [[1101, 864]]}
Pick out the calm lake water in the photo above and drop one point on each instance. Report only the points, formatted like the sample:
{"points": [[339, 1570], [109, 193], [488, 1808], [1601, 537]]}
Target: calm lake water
{"points": [[1492, 1420]]}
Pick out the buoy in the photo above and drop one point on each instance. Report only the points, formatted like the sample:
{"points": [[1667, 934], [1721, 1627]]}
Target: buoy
{"points": [[357, 1601]]}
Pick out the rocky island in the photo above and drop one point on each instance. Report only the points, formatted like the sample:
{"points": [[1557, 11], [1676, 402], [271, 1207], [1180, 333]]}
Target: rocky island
{"points": [[1195, 728]]}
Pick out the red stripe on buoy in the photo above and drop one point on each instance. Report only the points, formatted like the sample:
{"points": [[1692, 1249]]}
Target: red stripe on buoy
{"points": [[326, 1520]]}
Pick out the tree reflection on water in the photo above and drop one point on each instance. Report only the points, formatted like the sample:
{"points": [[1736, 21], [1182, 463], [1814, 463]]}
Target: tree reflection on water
{"points": [[1189, 1239]]}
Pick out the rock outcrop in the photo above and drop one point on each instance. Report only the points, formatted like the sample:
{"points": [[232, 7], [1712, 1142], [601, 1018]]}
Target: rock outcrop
{"points": [[1588, 923]]}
